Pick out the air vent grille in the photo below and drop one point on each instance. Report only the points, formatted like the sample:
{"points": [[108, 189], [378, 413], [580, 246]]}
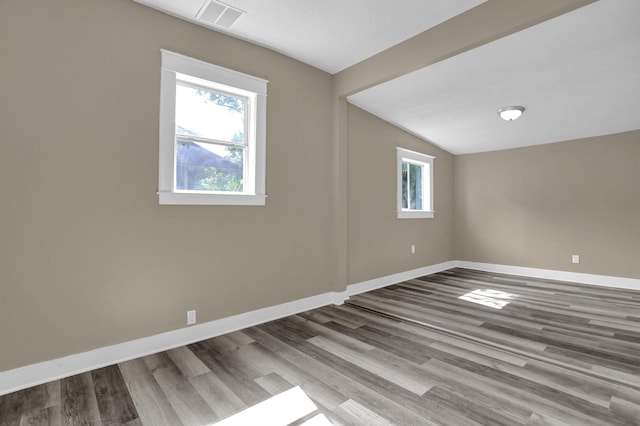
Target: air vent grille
{"points": [[219, 14]]}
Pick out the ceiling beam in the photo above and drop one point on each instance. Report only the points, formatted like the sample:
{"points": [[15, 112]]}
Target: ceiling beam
{"points": [[483, 24]]}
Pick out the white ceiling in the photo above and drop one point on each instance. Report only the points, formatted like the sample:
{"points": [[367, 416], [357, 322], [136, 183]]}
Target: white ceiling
{"points": [[577, 75], [329, 34]]}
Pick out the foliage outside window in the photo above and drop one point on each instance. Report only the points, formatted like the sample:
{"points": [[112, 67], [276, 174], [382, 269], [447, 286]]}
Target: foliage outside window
{"points": [[415, 184], [212, 134], [210, 140]]}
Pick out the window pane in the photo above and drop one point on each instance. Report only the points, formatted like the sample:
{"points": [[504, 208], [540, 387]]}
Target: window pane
{"points": [[415, 186], [209, 114], [405, 178], [414, 174], [208, 167]]}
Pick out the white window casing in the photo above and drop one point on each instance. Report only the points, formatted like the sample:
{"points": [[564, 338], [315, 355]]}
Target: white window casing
{"points": [[176, 67], [427, 211]]}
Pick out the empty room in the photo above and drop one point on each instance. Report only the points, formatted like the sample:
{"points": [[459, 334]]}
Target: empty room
{"points": [[320, 212]]}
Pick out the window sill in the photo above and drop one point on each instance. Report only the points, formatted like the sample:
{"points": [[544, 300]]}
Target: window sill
{"points": [[415, 214], [178, 198]]}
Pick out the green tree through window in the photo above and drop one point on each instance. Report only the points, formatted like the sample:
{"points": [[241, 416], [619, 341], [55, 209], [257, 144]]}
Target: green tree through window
{"points": [[195, 154], [227, 181]]}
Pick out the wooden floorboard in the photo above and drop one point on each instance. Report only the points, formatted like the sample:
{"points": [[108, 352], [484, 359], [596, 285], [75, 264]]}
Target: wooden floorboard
{"points": [[413, 353]]}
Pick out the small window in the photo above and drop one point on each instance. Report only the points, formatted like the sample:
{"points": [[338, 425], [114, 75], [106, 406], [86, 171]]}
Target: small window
{"points": [[415, 184], [212, 134]]}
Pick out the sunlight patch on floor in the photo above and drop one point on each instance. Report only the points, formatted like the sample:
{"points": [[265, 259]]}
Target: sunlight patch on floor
{"points": [[279, 410], [487, 297]]}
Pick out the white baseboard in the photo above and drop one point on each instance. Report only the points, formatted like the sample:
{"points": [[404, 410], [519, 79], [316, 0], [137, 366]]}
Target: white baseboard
{"points": [[550, 274], [375, 283], [35, 374]]}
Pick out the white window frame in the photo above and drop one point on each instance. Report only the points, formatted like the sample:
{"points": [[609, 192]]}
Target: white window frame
{"points": [[427, 211], [179, 67]]}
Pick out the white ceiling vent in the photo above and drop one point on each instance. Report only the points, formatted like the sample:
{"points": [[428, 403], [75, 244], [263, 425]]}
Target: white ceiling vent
{"points": [[218, 13]]}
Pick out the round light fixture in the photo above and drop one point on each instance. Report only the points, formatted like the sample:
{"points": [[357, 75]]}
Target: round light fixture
{"points": [[510, 113]]}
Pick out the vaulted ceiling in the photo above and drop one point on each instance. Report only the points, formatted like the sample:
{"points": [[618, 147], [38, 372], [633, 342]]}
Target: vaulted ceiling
{"points": [[577, 74]]}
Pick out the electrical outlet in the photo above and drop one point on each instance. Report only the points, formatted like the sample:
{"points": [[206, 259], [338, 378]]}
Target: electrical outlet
{"points": [[413, 248], [191, 317], [575, 258]]}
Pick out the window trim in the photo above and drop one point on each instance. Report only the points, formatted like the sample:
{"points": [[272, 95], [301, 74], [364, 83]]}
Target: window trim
{"points": [[217, 78], [425, 213]]}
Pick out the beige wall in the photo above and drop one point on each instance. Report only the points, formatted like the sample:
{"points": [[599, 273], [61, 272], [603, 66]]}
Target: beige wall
{"points": [[87, 256], [537, 206], [379, 243]]}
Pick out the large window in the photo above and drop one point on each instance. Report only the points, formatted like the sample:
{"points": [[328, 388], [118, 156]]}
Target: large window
{"points": [[212, 134], [415, 184]]}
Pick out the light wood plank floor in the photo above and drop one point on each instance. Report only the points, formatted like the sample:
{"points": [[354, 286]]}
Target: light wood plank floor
{"points": [[414, 353]]}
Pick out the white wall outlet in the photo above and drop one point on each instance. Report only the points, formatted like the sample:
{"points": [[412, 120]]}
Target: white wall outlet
{"points": [[413, 248], [575, 258], [191, 317]]}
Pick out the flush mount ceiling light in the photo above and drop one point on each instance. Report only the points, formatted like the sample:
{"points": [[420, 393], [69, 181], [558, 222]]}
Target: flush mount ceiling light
{"points": [[510, 113]]}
